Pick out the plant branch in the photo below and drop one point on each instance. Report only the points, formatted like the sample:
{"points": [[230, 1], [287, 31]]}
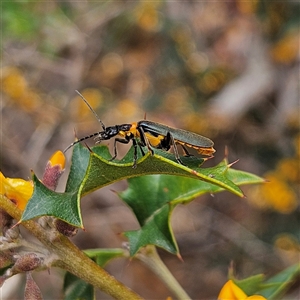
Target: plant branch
{"points": [[71, 258]]}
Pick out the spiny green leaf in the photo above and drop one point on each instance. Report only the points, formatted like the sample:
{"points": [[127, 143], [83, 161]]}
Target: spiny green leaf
{"points": [[155, 231], [79, 164], [45, 202], [153, 197], [60, 205], [102, 172], [93, 170]]}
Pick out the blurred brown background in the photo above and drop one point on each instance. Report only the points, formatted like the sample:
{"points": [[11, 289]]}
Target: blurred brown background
{"points": [[226, 70]]}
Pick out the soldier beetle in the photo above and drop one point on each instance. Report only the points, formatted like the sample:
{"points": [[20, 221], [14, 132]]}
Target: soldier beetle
{"points": [[151, 135]]}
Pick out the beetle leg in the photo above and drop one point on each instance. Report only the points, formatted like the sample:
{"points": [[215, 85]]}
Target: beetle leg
{"points": [[141, 147], [123, 141], [166, 142], [134, 153], [145, 140], [172, 142], [186, 152]]}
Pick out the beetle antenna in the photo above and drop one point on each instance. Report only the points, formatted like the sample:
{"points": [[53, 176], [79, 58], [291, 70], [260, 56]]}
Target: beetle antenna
{"points": [[80, 140], [97, 117], [92, 110]]}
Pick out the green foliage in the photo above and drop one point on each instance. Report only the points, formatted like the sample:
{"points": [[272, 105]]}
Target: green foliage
{"points": [[179, 59], [272, 288], [152, 198], [275, 287], [45, 202], [19, 19]]}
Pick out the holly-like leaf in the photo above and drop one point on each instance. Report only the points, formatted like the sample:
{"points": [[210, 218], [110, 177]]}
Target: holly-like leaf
{"points": [[152, 199], [60, 205], [155, 231], [93, 170], [80, 161], [102, 172], [45, 202]]}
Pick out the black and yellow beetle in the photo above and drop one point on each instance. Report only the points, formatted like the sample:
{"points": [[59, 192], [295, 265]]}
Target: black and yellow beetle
{"points": [[151, 135]]}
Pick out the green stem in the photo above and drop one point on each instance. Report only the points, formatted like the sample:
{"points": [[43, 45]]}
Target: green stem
{"points": [[72, 259], [153, 261]]}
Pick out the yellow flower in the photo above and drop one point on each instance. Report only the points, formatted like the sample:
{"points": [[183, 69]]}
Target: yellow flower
{"points": [[288, 246], [278, 194], [112, 65], [17, 190], [231, 291], [127, 107], [148, 17], [54, 169], [58, 158], [247, 7], [286, 50], [288, 168], [13, 83]]}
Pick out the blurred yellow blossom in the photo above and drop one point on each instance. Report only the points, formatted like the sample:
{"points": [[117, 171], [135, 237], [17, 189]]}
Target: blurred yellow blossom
{"points": [[185, 45], [213, 80], [15, 86], [247, 7], [181, 35], [289, 169], [287, 49], [290, 247], [147, 15], [231, 291], [278, 194], [128, 108], [197, 62], [175, 101], [17, 190], [112, 65], [13, 82], [30, 101]]}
